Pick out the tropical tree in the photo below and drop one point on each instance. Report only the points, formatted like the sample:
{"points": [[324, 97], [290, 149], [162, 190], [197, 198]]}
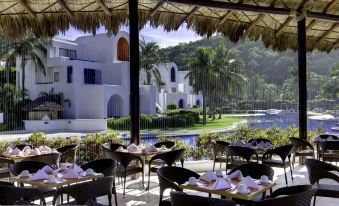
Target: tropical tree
{"points": [[149, 57], [30, 48], [55, 97], [201, 72]]}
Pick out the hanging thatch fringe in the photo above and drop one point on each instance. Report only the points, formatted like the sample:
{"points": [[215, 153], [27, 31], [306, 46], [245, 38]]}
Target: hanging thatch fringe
{"points": [[49, 18]]}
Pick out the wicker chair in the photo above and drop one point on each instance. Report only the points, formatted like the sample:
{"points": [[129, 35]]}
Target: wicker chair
{"points": [[170, 178], [85, 193], [260, 140], [318, 170], [241, 152], [105, 166], [218, 148], [51, 159], [183, 199], [299, 195], [127, 164], [283, 152], [302, 148], [115, 146], [255, 171], [168, 158], [168, 144], [31, 166], [68, 153], [4, 171], [330, 151], [323, 136], [11, 195]]}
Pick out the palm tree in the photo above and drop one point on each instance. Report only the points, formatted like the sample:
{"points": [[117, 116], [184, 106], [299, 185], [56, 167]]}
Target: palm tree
{"points": [[30, 48], [230, 73], [55, 97], [200, 73], [149, 57]]}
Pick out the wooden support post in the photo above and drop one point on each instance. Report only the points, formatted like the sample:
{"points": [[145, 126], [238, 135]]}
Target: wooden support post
{"points": [[302, 79], [134, 71]]}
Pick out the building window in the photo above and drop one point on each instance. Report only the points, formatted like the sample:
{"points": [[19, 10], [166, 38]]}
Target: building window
{"points": [[92, 76], [174, 89], [172, 74], [69, 74], [56, 76], [123, 50], [72, 54]]}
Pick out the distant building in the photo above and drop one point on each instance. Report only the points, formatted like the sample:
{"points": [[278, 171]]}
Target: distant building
{"points": [[92, 73]]}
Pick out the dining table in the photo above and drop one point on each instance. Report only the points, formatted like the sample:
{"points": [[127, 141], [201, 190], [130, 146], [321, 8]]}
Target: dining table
{"points": [[232, 192]]}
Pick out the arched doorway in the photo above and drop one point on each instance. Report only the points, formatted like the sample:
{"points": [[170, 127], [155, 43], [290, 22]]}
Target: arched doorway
{"points": [[198, 102], [123, 49], [172, 74], [115, 107], [181, 103]]}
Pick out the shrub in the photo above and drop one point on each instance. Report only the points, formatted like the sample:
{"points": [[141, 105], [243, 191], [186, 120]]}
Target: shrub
{"points": [[195, 106], [3, 127], [180, 144], [62, 141], [37, 139], [171, 106]]}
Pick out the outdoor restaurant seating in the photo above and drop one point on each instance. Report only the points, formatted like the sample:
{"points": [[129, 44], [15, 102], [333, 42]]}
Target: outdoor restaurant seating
{"points": [[240, 152], [31, 166], [284, 153], [11, 195], [68, 153], [183, 199], [4, 171], [168, 158], [257, 140], [51, 159], [318, 170], [330, 151], [115, 146], [302, 148], [170, 177], [299, 195], [218, 148], [86, 193], [22, 146], [128, 164], [168, 144]]}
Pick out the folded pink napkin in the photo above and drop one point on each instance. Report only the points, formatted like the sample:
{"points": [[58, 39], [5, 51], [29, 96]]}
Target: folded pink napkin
{"points": [[39, 175], [262, 145], [133, 148], [48, 169], [208, 177], [15, 151], [247, 144], [318, 139], [239, 142], [221, 184], [152, 148], [268, 144], [76, 168], [236, 175], [36, 151], [71, 174], [46, 149], [249, 181]]}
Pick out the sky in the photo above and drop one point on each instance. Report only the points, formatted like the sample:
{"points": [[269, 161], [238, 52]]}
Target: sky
{"points": [[163, 38]]}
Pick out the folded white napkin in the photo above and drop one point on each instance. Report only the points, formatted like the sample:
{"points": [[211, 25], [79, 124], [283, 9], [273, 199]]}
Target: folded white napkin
{"points": [[254, 143], [15, 151], [27, 151], [247, 144], [151, 148], [221, 184], [262, 145], [329, 138], [24, 173], [318, 139], [39, 175], [141, 146], [236, 175], [239, 142], [9, 150], [36, 151], [208, 177], [46, 149], [52, 179], [26, 148], [54, 151], [71, 174], [133, 148], [20, 154], [249, 181], [48, 169], [76, 168]]}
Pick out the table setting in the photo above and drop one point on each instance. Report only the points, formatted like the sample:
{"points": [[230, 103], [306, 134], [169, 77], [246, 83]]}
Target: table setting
{"points": [[261, 145], [141, 149], [27, 151]]}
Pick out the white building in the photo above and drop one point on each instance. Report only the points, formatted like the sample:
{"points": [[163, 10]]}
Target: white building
{"points": [[93, 72]]}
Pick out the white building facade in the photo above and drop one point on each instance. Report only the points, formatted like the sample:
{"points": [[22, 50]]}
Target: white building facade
{"points": [[92, 73]]}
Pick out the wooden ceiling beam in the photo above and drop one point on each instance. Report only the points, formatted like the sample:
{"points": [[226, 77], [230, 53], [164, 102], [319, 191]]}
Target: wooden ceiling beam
{"points": [[65, 7], [191, 13], [225, 17], [336, 45], [281, 27], [313, 22], [156, 8], [25, 6], [102, 5], [328, 32]]}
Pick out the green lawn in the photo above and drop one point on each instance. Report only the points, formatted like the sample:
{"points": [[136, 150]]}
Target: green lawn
{"points": [[212, 124]]}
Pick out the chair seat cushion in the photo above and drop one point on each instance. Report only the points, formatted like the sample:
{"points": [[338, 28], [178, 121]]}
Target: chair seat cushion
{"points": [[327, 190]]}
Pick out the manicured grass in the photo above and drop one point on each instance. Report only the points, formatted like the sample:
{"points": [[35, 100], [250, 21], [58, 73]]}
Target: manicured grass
{"points": [[212, 124]]}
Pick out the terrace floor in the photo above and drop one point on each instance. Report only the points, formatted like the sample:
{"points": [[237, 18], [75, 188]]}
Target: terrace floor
{"points": [[151, 197]]}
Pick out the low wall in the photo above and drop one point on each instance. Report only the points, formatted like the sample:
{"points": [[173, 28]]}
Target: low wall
{"points": [[79, 125]]}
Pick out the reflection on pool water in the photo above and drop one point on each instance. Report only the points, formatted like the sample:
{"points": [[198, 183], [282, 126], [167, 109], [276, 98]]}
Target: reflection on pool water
{"points": [[282, 121]]}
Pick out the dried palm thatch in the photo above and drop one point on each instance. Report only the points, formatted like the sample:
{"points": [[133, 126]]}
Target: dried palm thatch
{"points": [[278, 30]]}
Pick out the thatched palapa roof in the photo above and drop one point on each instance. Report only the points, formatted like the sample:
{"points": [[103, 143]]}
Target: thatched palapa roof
{"points": [[272, 21], [42, 104]]}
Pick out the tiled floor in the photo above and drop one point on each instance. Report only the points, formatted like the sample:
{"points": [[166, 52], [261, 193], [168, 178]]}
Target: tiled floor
{"points": [[151, 197]]}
